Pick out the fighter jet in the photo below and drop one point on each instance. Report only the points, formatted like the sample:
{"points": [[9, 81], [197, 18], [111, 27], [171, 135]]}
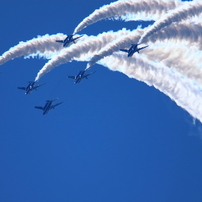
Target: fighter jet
{"points": [[133, 49], [48, 106], [81, 75], [69, 39], [31, 86]]}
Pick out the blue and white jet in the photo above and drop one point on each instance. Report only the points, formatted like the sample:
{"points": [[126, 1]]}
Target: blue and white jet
{"points": [[31, 86], [69, 39], [48, 106], [133, 49], [81, 75]]}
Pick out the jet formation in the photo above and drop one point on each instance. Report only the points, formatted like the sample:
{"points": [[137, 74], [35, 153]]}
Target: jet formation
{"points": [[48, 106], [81, 75], [133, 49], [78, 78]]}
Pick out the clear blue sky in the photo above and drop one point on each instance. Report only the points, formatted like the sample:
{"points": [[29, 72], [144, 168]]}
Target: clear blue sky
{"points": [[113, 138]]}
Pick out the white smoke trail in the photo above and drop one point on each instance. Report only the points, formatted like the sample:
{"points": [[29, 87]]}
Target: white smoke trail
{"points": [[177, 32], [181, 58], [182, 32], [129, 10], [180, 52], [175, 47], [182, 91], [185, 11], [81, 50], [44, 46]]}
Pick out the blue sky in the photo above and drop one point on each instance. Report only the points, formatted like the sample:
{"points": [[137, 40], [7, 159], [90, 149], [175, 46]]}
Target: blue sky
{"points": [[113, 138]]}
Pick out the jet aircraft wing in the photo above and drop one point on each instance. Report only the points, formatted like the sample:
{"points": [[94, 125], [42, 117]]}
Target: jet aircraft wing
{"points": [[22, 88], [53, 106], [86, 75], [60, 41], [39, 107], [142, 48], [72, 77], [76, 38], [124, 50], [35, 87]]}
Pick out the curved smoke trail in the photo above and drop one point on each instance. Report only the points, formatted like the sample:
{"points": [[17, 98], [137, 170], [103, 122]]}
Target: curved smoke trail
{"points": [[185, 11], [189, 32], [182, 58], [129, 10], [182, 91], [43, 46]]}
